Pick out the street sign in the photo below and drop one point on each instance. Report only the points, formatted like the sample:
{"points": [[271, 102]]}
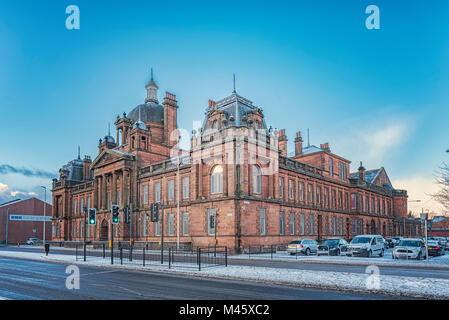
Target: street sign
{"points": [[26, 217]]}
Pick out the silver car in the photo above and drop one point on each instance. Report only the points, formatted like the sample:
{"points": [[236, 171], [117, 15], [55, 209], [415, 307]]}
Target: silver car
{"points": [[305, 246], [410, 249]]}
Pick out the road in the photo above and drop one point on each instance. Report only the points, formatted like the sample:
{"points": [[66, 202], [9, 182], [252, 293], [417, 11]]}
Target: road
{"points": [[26, 279], [408, 271]]}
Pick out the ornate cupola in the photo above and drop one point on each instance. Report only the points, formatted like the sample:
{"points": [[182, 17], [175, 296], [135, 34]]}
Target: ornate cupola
{"points": [[152, 90]]}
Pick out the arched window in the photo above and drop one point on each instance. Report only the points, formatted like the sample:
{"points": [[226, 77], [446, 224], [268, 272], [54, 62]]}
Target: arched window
{"points": [[216, 180], [257, 179]]}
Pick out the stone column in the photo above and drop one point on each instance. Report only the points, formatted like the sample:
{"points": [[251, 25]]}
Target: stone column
{"points": [[103, 192], [114, 188], [200, 179]]}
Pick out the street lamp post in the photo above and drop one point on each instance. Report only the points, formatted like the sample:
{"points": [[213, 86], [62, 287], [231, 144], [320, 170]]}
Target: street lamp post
{"points": [[45, 212]]}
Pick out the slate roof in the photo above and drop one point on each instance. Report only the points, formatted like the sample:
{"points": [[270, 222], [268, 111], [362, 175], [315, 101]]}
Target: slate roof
{"points": [[370, 175], [150, 112]]}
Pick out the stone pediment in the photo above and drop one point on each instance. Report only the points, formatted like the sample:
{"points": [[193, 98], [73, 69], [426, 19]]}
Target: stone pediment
{"points": [[109, 156]]}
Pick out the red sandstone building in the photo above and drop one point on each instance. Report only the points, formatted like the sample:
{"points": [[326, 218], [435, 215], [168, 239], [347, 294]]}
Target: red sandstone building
{"points": [[236, 184], [16, 230]]}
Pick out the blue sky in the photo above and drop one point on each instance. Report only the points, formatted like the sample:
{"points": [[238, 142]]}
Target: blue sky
{"points": [[377, 96]]}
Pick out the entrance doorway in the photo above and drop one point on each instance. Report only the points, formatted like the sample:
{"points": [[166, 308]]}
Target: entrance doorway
{"points": [[104, 231]]}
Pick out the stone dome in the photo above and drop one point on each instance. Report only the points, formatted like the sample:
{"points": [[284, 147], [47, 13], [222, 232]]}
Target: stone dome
{"points": [[149, 112]]}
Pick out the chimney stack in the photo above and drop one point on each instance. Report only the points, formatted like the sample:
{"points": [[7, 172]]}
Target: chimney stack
{"points": [[282, 142], [361, 172], [212, 103], [325, 147], [298, 144]]}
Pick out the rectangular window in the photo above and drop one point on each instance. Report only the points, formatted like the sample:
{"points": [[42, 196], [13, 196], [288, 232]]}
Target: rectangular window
{"points": [[211, 216], [119, 198], [334, 226], [82, 205], [341, 226], [311, 224], [88, 202], [281, 223], [291, 191], [378, 206], [326, 197], [353, 201], [301, 191], [144, 226], [171, 189], [318, 195], [108, 200], [334, 200], [145, 194], [281, 187], [263, 222], [171, 224], [331, 167], [292, 223], [354, 226], [340, 199], [346, 201], [185, 224], [310, 193], [75, 206], [74, 230], [157, 228], [367, 204], [302, 224], [157, 192], [88, 231], [373, 205], [185, 187], [81, 229]]}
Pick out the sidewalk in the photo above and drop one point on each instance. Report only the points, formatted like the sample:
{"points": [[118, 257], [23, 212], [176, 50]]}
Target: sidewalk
{"points": [[433, 288]]}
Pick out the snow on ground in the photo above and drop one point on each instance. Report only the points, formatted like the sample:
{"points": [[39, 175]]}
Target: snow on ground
{"points": [[385, 284]]}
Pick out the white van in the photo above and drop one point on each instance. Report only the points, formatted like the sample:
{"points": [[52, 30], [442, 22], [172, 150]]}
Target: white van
{"points": [[367, 245]]}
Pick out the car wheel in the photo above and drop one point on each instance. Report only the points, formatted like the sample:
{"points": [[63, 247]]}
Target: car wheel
{"points": [[307, 252], [381, 253], [338, 252], [370, 254], [419, 256]]}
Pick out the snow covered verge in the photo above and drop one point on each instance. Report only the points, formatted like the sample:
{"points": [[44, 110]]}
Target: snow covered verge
{"points": [[441, 262], [371, 282]]}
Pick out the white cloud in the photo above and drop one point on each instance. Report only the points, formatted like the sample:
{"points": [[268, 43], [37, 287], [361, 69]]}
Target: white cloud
{"points": [[420, 188], [3, 188], [380, 142], [6, 193]]}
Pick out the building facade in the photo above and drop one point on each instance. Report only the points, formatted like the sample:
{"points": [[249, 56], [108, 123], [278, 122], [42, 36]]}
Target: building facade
{"points": [[236, 186], [15, 228]]}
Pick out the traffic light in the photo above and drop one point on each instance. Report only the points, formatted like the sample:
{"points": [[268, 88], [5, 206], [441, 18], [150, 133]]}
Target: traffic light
{"points": [[126, 214], [154, 211], [92, 216], [115, 213]]}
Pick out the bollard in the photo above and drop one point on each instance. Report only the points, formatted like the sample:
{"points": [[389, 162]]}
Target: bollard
{"points": [[104, 251], [199, 259], [226, 256], [143, 256], [121, 255], [271, 251], [169, 258]]}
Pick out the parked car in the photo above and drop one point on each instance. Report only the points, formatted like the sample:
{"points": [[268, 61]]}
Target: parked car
{"points": [[389, 243], [32, 241], [435, 248], [305, 246], [446, 245], [411, 248], [367, 245], [396, 240], [333, 247]]}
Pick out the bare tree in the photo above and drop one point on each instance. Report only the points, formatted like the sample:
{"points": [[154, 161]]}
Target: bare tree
{"points": [[442, 196]]}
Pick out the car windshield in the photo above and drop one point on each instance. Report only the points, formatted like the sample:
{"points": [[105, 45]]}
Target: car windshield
{"points": [[295, 242], [409, 243], [361, 240], [432, 243], [330, 242]]}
